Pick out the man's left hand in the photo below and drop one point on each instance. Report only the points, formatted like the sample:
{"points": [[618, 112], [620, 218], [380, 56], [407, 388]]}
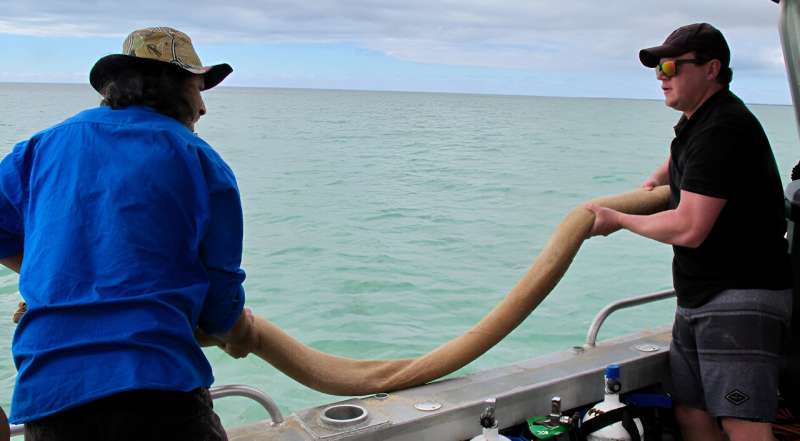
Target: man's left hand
{"points": [[606, 220]]}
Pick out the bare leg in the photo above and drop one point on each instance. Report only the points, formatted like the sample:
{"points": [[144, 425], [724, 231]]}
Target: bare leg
{"points": [[743, 430], [697, 425]]}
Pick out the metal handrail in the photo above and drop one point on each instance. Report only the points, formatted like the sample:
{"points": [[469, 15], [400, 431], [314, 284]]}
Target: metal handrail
{"points": [[594, 328], [228, 390], [243, 390]]}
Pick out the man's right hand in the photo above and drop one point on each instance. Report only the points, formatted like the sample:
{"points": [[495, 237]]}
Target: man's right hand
{"points": [[659, 177], [649, 184], [606, 220]]}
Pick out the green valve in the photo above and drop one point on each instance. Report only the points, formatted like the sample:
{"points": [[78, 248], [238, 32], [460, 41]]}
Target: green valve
{"points": [[541, 430]]}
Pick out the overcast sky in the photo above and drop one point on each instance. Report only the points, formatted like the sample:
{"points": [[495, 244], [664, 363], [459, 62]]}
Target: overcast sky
{"points": [[528, 47]]}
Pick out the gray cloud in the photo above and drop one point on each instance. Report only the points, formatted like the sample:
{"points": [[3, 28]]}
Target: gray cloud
{"points": [[525, 34]]}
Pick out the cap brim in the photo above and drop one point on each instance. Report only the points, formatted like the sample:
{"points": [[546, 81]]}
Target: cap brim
{"points": [[111, 66], [651, 56]]}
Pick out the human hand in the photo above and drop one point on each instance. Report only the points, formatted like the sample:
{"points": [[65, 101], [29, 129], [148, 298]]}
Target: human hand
{"points": [[22, 307], [238, 341], [242, 338], [606, 220], [649, 184]]}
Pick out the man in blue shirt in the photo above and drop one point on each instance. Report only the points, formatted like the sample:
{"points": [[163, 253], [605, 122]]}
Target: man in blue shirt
{"points": [[131, 230]]}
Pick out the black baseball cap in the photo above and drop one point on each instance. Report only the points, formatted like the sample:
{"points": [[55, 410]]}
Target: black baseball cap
{"points": [[702, 38]]}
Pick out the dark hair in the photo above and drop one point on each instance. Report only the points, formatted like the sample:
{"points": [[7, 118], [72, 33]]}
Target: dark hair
{"points": [[725, 74], [157, 85]]}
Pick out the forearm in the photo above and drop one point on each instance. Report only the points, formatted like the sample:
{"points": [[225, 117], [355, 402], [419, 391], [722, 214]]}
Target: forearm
{"points": [[667, 227]]}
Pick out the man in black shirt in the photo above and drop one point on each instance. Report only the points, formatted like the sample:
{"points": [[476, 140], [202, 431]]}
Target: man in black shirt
{"points": [[725, 222]]}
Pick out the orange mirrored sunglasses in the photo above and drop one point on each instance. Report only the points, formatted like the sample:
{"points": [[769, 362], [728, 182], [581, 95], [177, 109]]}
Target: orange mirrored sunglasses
{"points": [[669, 68]]}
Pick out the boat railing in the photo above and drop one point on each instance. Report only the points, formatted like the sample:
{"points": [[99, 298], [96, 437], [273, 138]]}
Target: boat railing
{"points": [[242, 390], [594, 328], [228, 390]]}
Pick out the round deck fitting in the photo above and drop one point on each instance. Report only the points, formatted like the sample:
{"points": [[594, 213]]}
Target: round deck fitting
{"points": [[343, 414], [428, 406], [647, 347]]}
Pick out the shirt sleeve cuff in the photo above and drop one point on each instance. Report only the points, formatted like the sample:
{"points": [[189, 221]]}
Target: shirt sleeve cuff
{"points": [[219, 317]]}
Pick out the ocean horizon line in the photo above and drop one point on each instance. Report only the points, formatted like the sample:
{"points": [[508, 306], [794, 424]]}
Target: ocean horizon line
{"points": [[481, 94]]}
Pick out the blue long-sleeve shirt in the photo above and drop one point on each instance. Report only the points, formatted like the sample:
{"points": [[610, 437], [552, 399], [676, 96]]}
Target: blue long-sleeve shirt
{"points": [[131, 228]]}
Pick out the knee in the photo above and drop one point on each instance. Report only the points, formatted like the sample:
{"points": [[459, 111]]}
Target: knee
{"points": [[692, 416], [744, 430]]}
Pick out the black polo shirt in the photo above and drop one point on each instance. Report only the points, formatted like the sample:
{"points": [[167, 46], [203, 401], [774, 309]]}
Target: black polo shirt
{"points": [[723, 152]]}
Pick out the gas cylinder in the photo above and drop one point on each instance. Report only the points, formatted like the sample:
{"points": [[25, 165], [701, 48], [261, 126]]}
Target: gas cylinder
{"points": [[489, 424], [612, 432]]}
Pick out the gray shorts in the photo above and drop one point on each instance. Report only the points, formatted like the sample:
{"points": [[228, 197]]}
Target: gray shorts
{"points": [[726, 355]]}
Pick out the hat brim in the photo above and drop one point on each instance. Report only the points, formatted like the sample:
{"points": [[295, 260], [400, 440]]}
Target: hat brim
{"points": [[111, 66], [651, 56]]}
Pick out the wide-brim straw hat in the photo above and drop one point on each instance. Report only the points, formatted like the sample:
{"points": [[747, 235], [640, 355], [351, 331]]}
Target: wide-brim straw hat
{"points": [[152, 46]]}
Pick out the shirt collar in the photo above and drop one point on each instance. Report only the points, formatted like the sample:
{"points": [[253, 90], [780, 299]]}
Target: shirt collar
{"points": [[684, 123]]}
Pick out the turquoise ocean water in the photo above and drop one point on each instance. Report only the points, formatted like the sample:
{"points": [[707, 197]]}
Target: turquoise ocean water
{"points": [[383, 224]]}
